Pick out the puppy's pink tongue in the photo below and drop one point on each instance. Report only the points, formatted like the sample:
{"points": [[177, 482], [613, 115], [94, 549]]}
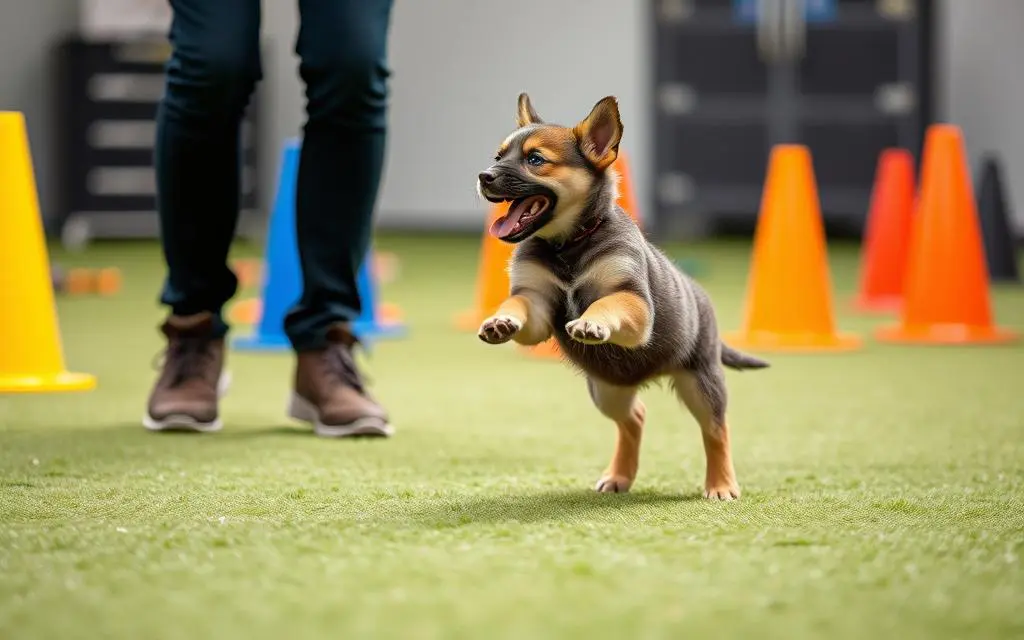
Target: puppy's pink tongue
{"points": [[504, 227], [509, 222]]}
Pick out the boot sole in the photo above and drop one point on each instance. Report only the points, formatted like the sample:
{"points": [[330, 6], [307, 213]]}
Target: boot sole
{"points": [[301, 409], [180, 422]]}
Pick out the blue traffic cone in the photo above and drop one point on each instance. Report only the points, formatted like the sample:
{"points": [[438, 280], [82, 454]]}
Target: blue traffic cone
{"points": [[282, 273], [370, 324]]}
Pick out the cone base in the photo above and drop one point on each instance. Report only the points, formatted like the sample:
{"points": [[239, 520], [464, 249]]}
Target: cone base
{"points": [[390, 313], [547, 350], [877, 304], [793, 342], [246, 311], [945, 334], [262, 342], [49, 383], [468, 320], [279, 342], [373, 330]]}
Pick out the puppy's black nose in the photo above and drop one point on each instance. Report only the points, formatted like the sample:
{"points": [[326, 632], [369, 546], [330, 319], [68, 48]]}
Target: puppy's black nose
{"points": [[487, 177]]}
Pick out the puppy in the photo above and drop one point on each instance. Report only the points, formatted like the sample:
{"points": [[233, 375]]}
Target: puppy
{"points": [[583, 272]]}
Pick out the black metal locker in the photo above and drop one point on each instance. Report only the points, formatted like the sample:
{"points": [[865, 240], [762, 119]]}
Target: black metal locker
{"points": [[107, 93], [732, 78]]}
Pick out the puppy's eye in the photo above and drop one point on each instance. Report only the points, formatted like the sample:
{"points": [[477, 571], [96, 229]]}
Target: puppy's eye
{"points": [[534, 159]]}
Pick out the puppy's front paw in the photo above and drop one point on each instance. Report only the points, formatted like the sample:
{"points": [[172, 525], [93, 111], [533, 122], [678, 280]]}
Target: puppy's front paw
{"points": [[588, 331], [499, 329]]}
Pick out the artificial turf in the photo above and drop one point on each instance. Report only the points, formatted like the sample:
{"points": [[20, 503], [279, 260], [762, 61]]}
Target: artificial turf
{"points": [[882, 489]]}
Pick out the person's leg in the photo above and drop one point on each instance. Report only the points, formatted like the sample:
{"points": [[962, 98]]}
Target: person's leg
{"points": [[343, 49], [210, 76]]}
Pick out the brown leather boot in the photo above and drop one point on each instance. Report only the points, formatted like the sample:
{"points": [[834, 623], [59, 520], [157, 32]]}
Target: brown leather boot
{"points": [[330, 393], [186, 394]]}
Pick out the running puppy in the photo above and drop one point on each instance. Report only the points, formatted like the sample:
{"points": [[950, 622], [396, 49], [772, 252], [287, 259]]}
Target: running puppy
{"points": [[583, 272]]}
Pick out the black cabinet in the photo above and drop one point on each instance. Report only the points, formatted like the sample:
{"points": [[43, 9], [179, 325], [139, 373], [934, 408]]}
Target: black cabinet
{"points": [[107, 94], [732, 78]]}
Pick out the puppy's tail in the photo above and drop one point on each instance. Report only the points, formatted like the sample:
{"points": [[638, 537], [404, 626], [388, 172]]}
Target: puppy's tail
{"points": [[738, 360]]}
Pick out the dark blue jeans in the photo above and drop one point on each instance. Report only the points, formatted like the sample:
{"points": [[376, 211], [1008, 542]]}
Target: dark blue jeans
{"points": [[213, 69]]}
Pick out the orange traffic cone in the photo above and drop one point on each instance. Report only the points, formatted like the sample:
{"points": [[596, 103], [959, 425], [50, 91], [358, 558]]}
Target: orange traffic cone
{"points": [[492, 285], [246, 311], [249, 271], [78, 281], [31, 354], [789, 291], [887, 233], [548, 350], [87, 281], [946, 298], [627, 196]]}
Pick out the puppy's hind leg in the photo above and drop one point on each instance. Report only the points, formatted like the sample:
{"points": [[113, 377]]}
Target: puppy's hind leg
{"points": [[704, 394], [621, 405]]}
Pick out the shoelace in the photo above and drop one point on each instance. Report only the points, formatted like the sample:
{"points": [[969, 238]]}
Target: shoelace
{"points": [[188, 358], [341, 363]]}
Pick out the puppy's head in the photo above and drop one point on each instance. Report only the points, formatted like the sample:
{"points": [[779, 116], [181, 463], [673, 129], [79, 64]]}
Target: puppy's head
{"points": [[550, 173]]}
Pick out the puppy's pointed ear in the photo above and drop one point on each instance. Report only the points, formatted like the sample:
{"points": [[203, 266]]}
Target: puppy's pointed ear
{"points": [[525, 113], [600, 132]]}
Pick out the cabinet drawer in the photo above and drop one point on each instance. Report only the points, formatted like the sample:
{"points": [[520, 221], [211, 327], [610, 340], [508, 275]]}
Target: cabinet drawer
{"points": [[851, 62], [714, 153], [846, 154]]}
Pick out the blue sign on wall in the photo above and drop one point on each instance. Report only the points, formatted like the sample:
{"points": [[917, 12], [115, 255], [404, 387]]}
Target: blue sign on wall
{"points": [[745, 11], [819, 10]]}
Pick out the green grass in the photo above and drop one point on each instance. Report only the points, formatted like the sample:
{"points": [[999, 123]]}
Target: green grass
{"points": [[882, 490]]}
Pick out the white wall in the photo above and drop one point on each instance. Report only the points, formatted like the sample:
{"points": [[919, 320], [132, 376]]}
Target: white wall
{"points": [[981, 87], [27, 31]]}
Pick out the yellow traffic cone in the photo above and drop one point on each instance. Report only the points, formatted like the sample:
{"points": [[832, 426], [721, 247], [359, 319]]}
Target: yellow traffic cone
{"points": [[31, 354]]}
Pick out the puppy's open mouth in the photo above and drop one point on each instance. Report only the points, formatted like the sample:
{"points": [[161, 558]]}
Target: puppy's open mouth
{"points": [[524, 216]]}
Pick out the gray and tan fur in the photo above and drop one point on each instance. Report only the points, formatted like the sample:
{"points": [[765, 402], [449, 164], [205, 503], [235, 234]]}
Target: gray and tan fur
{"points": [[583, 272]]}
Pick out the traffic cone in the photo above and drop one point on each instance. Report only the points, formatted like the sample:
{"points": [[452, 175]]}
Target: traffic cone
{"points": [[996, 232], [946, 298], [789, 290], [247, 271], [492, 285], [627, 195], [547, 350], [87, 281], [375, 321], [31, 353], [887, 233], [246, 311], [108, 281], [282, 275], [78, 281]]}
